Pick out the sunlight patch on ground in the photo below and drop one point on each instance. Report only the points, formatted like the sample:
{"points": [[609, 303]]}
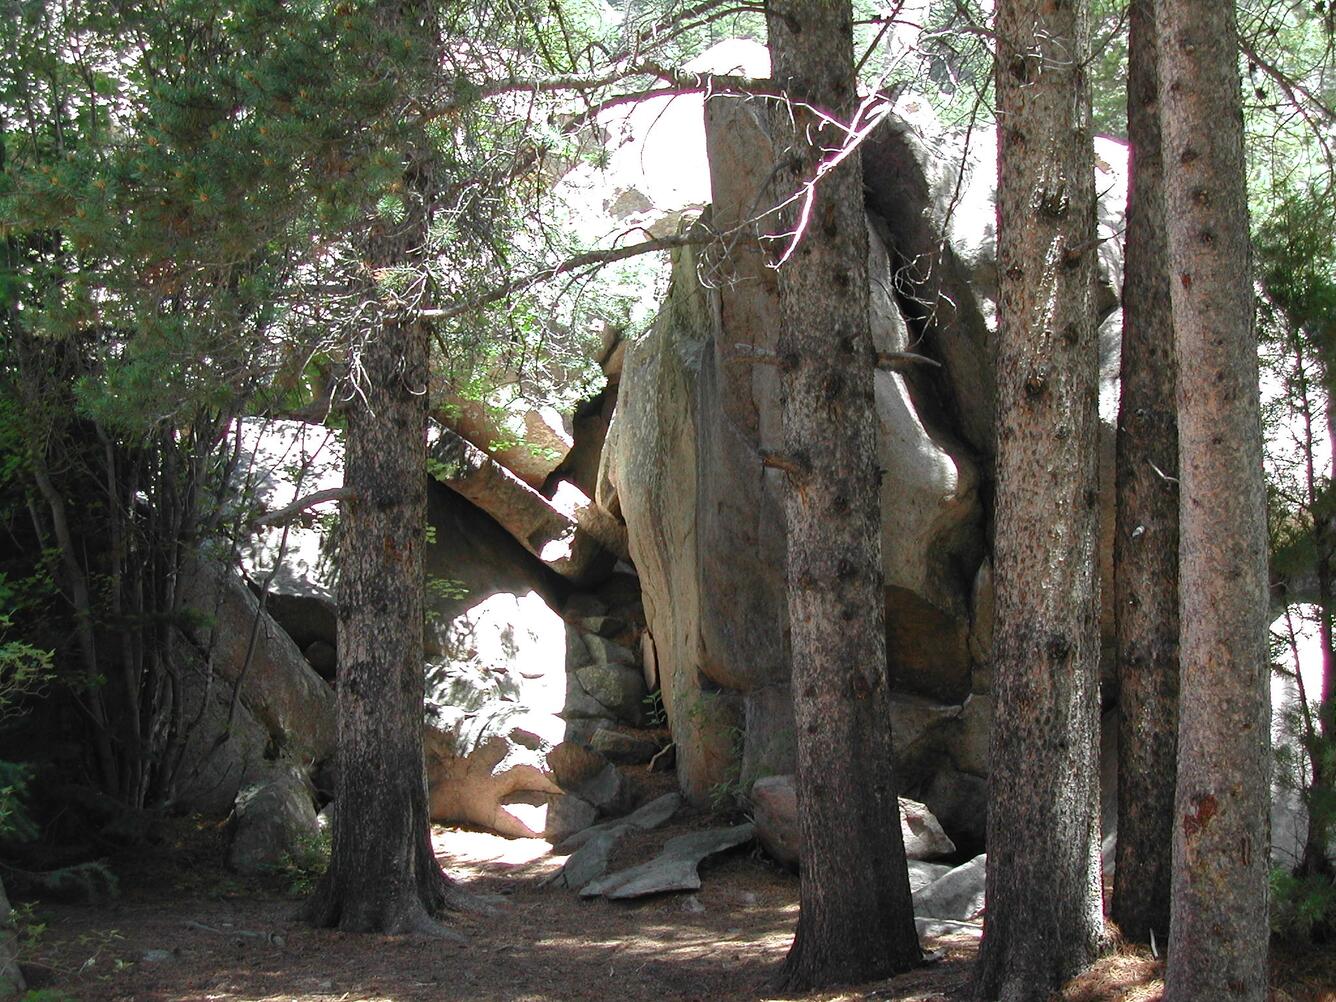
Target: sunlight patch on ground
{"points": [[461, 847]]}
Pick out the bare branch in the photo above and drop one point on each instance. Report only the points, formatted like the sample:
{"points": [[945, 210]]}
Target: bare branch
{"points": [[285, 514], [590, 259]]}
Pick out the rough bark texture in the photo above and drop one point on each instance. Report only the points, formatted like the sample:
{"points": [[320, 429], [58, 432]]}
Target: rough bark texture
{"points": [[383, 874], [1146, 535], [856, 920], [1218, 939], [1044, 919], [11, 975]]}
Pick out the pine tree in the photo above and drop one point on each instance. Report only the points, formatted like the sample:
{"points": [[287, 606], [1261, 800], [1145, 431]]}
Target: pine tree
{"points": [[1044, 919], [1146, 536], [856, 920], [1218, 936]]}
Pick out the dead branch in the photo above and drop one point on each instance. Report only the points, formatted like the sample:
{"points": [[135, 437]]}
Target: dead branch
{"points": [[285, 514]]}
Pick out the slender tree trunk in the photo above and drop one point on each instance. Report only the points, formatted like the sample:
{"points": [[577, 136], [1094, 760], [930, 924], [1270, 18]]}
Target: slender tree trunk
{"points": [[383, 874], [1317, 860], [1044, 920], [1218, 938], [856, 920], [1146, 538]]}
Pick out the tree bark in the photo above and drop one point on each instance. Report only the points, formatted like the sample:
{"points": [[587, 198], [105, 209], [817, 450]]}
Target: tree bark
{"points": [[383, 874], [1146, 535], [856, 920], [1218, 937], [1044, 920]]}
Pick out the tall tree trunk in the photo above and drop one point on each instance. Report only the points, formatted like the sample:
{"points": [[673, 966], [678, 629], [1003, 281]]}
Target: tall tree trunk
{"points": [[856, 920], [383, 874], [1045, 919], [1218, 938], [1146, 537]]}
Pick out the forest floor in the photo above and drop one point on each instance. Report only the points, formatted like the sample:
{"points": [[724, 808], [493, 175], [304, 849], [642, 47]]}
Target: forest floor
{"points": [[183, 928]]}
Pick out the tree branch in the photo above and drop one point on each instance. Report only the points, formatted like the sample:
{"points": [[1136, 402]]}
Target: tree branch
{"points": [[589, 259], [285, 514]]}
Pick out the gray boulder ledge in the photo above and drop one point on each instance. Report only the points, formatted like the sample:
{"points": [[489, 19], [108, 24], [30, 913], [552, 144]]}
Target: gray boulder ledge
{"points": [[674, 869]]}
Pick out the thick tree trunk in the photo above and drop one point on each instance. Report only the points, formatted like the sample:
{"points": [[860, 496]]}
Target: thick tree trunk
{"points": [[856, 920], [1146, 538], [383, 874], [1044, 920], [1218, 938]]}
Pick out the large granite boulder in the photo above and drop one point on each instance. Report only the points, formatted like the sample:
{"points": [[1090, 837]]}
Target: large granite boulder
{"points": [[699, 406], [252, 701]]}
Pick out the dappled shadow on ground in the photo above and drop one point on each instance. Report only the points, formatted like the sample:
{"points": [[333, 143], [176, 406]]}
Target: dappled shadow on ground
{"points": [[224, 941], [221, 940]]}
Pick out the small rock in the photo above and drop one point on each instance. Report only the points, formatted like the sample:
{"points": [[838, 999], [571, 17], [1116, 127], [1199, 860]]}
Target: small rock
{"points": [[157, 956], [692, 905], [272, 818], [924, 838], [588, 774], [774, 801]]}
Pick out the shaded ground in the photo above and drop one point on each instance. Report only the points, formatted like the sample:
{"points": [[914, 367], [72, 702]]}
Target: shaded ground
{"points": [[224, 940]]}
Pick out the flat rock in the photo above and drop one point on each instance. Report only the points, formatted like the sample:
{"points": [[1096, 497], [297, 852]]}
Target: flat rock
{"points": [[590, 861], [644, 818], [674, 869]]}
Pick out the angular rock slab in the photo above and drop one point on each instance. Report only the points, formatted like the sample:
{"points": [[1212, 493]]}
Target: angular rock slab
{"points": [[645, 818], [957, 896], [564, 534], [674, 869], [590, 861]]}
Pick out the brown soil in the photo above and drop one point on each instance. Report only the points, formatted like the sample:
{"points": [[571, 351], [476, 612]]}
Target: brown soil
{"points": [[543, 943], [228, 940]]}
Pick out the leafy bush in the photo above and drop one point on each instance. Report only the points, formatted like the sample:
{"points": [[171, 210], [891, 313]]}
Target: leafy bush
{"points": [[300, 869], [1302, 905]]}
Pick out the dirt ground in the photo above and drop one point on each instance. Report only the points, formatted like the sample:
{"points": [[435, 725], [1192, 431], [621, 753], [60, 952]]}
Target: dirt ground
{"points": [[184, 929]]}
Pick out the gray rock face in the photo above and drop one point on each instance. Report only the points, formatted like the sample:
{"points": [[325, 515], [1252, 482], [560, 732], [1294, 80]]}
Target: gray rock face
{"points": [[957, 895], [282, 702], [277, 684], [697, 409], [703, 515], [674, 869], [272, 818], [923, 873], [644, 818]]}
